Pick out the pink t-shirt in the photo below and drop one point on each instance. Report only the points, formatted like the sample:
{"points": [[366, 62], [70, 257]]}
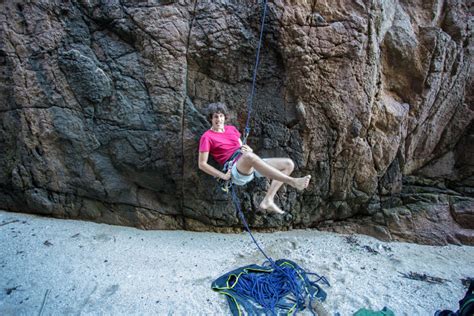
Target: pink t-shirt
{"points": [[221, 146]]}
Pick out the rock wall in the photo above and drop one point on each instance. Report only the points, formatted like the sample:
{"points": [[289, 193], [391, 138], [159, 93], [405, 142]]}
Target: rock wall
{"points": [[101, 112]]}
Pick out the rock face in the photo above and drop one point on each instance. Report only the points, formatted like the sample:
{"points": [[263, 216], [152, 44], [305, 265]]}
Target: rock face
{"points": [[101, 112]]}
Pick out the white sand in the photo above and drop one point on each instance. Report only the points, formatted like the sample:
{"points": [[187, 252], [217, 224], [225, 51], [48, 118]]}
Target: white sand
{"points": [[92, 269]]}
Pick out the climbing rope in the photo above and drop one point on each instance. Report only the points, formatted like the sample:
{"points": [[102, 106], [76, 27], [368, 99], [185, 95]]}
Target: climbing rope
{"points": [[244, 221], [268, 289], [254, 79]]}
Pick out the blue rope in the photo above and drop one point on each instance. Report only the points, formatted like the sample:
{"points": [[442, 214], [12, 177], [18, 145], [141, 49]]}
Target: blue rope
{"points": [[261, 287], [254, 79], [268, 289], [244, 221]]}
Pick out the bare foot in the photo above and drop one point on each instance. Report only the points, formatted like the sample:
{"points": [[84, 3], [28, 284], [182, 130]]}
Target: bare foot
{"points": [[271, 206], [302, 183]]}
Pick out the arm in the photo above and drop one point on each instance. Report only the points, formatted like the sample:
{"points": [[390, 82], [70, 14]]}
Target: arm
{"points": [[207, 168]]}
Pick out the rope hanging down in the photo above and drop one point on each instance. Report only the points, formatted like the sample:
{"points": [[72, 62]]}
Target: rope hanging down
{"points": [[254, 78], [284, 284]]}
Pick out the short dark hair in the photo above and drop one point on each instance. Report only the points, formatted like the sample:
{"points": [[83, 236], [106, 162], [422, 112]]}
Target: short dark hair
{"points": [[217, 107]]}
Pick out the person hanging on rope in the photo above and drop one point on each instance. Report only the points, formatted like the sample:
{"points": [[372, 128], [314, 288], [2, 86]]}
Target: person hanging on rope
{"points": [[222, 141]]}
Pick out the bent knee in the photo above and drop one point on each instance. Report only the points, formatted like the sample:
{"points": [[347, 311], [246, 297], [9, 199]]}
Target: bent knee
{"points": [[249, 157], [289, 164]]}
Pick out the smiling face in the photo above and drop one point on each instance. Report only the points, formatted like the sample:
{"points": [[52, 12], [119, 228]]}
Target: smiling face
{"points": [[218, 120], [216, 115]]}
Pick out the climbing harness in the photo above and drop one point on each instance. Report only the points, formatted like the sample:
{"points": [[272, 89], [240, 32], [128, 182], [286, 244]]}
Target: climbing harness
{"points": [[276, 286], [225, 184]]}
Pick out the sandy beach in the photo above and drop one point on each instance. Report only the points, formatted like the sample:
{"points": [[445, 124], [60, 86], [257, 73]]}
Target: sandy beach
{"points": [[69, 267]]}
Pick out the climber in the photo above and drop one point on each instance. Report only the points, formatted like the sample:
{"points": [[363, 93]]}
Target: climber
{"points": [[222, 141]]}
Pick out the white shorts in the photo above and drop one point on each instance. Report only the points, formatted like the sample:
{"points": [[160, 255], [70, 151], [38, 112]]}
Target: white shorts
{"points": [[243, 179]]}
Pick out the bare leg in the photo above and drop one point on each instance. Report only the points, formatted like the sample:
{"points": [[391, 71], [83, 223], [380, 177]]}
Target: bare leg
{"points": [[286, 166], [249, 161]]}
